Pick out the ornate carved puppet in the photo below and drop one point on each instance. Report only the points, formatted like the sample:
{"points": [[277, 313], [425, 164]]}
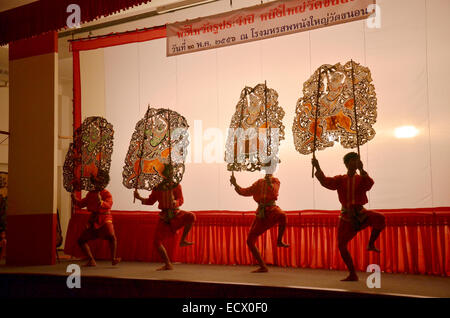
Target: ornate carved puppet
{"points": [[338, 105], [160, 138], [256, 129], [89, 153]]}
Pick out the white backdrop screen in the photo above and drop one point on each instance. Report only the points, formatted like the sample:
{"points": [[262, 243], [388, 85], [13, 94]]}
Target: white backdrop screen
{"points": [[409, 62]]}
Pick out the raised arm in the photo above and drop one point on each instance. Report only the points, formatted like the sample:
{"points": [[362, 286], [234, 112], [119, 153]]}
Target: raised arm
{"points": [[178, 196], [326, 182], [151, 199], [106, 201], [79, 203], [367, 182], [246, 192]]}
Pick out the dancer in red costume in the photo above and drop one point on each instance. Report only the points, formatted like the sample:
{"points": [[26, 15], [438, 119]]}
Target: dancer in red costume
{"points": [[100, 225], [268, 214], [170, 198], [352, 188]]}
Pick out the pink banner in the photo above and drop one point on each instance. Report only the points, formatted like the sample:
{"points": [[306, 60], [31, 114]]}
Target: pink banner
{"points": [[262, 22]]}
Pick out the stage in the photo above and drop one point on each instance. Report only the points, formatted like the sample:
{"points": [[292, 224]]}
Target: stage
{"points": [[142, 280], [414, 241]]}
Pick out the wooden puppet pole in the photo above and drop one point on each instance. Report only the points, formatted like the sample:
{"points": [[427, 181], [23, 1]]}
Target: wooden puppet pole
{"points": [[354, 108], [267, 122], [100, 144], [82, 155], [240, 125], [141, 150], [170, 141], [170, 163], [315, 118]]}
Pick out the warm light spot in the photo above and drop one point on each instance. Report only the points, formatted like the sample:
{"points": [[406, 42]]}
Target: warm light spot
{"points": [[406, 132]]}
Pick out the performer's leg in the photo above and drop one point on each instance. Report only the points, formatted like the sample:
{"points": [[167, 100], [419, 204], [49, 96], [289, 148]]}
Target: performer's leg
{"points": [[186, 230], [107, 231], [86, 236], [188, 218], [163, 253], [161, 231], [345, 233], [256, 230], [251, 242], [378, 223], [282, 219]]}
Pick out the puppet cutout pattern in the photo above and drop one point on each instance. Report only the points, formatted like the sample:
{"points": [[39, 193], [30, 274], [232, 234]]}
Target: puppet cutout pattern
{"points": [[250, 144], [90, 151], [154, 144], [337, 118]]}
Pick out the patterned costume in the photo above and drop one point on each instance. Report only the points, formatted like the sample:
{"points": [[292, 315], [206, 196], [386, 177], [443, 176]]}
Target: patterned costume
{"points": [[100, 223], [352, 195], [354, 217], [268, 214], [171, 217]]}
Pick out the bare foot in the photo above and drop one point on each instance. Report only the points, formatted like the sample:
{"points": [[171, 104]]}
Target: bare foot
{"points": [[373, 249], [281, 244], [350, 278], [186, 243], [116, 261], [91, 263], [261, 270], [166, 267]]}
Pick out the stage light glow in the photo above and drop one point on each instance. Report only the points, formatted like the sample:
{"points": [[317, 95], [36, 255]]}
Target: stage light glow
{"points": [[406, 132]]}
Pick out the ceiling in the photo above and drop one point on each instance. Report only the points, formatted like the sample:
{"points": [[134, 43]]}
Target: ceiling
{"points": [[64, 54], [65, 57], [11, 4]]}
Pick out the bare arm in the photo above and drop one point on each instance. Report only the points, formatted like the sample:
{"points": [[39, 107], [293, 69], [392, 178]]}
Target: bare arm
{"points": [[247, 192], [367, 181], [149, 201], [79, 203], [326, 182]]}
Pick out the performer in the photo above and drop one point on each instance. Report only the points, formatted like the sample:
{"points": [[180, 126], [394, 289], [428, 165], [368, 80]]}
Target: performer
{"points": [[100, 225], [170, 198], [268, 214], [352, 188]]}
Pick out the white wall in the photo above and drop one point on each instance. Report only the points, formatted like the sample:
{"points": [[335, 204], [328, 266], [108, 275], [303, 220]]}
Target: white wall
{"points": [[64, 131], [409, 62], [93, 83]]}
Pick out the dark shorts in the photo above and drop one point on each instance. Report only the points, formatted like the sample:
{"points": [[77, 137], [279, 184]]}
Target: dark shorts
{"points": [[106, 231], [165, 230], [273, 216], [347, 230]]}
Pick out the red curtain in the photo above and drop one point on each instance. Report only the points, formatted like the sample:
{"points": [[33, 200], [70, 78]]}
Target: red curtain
{"points": [[51, 15], [414, 241]]}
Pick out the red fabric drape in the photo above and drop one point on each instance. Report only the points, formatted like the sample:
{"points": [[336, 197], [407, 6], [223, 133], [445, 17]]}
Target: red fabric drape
{"points": [[76, 91], [51, 15], [76, 102], [119, 39], [414, 241]]}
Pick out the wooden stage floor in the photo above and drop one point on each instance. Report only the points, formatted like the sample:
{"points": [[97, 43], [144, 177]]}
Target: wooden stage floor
{"points": [[293, 282]]}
